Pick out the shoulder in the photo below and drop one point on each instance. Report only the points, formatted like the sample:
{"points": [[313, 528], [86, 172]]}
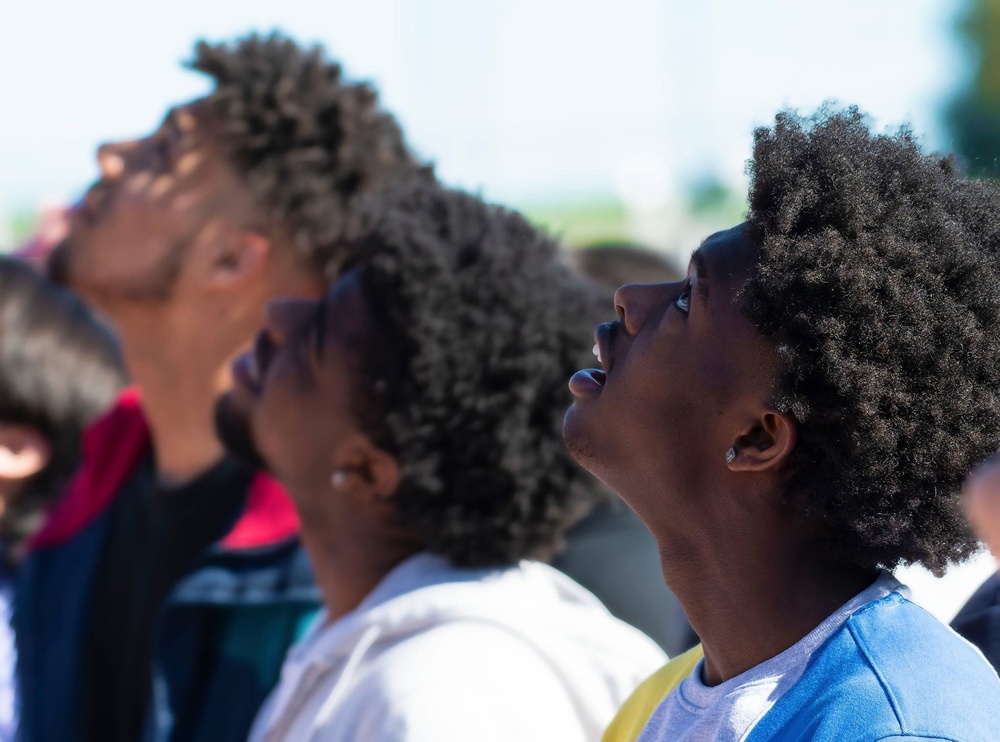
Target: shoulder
{"points": [[467, 680], [111, 447], [986, 598], [634, 714], [462, 651], [891, 670], [979, 619]]}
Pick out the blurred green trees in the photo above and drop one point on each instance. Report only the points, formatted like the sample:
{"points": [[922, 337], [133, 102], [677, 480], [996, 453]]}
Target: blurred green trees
{"points": [[973, 116]]}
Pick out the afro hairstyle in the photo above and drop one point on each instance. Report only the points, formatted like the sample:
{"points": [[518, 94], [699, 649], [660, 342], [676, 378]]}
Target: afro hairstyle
{"points": [[480, 325], [878, 278], [306, 141]]}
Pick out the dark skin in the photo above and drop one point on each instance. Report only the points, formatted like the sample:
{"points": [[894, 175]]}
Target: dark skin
{"points": [[293, 402], [169, 246], [687, 377]]}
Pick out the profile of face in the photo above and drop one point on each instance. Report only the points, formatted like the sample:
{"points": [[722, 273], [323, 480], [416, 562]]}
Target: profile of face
{"points": [[156, 197], [291, 407], [685, 378]]}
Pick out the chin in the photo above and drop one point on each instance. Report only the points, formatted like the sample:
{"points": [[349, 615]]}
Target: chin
{"points": [[233, 427], [57, 263], [578, 439]]}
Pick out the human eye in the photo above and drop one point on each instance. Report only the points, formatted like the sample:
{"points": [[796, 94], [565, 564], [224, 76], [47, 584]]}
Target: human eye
{"points": [[683, 302]]}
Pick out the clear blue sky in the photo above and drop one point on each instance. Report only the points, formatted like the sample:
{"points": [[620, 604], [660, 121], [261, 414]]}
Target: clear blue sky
{"points": [[527, 100]]}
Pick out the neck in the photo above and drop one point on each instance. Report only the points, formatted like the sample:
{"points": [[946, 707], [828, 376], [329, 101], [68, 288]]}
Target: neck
{"points": [[752, 591], [348, 563], [181, 376]]}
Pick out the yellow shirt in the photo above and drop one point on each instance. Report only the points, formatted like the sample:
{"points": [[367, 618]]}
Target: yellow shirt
{"points": [[632, 717]]}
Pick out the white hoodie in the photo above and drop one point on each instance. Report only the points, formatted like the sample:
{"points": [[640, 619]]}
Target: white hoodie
{"points": [[441, 654]]}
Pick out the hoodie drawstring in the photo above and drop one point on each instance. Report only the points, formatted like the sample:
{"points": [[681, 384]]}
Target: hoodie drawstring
{"points": [[365, 643]]}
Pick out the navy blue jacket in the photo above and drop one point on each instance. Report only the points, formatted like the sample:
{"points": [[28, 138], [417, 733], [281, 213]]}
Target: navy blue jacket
{"points": [[223, 634], [979, 620]]}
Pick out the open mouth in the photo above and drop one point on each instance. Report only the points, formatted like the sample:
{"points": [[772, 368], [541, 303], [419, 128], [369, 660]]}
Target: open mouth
{"points": [[591, 381]]}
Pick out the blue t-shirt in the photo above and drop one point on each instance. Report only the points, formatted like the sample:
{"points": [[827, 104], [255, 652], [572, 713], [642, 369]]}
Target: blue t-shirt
{"points": [[892, 672], [880, 668]]}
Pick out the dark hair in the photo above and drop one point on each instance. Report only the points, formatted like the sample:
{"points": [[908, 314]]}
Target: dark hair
{"points": [[879, 279], [617, 263], [480, 326], [306, 141], [59, 369]]}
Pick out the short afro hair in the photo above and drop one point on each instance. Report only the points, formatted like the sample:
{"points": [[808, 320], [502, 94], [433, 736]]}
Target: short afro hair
{"points": [[480, 326], [306, 141], [879, 280]]}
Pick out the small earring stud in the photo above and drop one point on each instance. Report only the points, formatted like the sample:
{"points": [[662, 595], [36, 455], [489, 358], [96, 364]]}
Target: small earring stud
{"points": [[730, 455], [339, 479]]}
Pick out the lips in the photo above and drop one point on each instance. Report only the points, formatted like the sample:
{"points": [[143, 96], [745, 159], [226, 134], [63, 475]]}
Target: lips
{"points": [[603, 342], [250, 369], [591, 381], [93, 204]]}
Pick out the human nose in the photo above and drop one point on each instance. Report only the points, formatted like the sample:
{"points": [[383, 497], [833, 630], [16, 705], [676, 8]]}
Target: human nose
{"points": [[112, 157], [286, 316], [636, 302]]}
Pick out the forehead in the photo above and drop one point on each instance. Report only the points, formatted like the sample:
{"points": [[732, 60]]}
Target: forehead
{"points": [[725, 257], [345, 308], [189, 123]]}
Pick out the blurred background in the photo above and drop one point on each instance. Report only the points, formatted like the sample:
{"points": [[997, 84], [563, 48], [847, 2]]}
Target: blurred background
{"points": [[601, 120], [629, 120]]}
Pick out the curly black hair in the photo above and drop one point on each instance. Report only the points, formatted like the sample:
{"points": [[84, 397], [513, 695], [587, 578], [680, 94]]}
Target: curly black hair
{"points": [[480, 325], [879, 280], [306, 141], [59, 369]]}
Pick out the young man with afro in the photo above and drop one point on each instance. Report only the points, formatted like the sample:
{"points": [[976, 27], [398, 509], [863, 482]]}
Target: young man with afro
{"points": [[793, 420], [169, 581], [415, 417]]}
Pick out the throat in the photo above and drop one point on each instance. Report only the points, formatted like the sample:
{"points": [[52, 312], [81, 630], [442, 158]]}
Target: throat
{"points": [[749, 608]]}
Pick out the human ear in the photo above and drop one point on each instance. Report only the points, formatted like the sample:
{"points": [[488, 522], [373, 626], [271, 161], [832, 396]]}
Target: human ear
{"points": [[24, 452], [236, 257], [365, 470], [764, 445]]}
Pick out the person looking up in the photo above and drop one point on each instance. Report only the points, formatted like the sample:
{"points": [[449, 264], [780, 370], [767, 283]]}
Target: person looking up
{"points": [[795, 418], [414, 415], [612, 539], [167, 564]]}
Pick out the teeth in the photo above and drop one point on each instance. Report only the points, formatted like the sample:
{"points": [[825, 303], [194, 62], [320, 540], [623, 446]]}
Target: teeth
{"points": [[597, 352]]}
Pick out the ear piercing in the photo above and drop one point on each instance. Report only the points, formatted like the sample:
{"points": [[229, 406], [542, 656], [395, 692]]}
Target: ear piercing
{"points": [[339, 479], [730, 455]]}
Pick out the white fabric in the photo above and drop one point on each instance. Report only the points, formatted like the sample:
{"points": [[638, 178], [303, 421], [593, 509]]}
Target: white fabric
{"points": [[729, 711], [436, 654]]}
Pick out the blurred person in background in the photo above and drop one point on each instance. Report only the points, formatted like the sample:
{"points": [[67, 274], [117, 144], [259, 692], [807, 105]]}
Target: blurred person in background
{"points": [[50, 230], [161, 596], [979, 619], [615, 264], [793, 420], [613, 541], [414, 414], [59, 369]]}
